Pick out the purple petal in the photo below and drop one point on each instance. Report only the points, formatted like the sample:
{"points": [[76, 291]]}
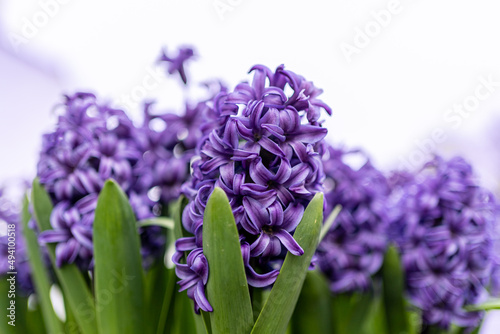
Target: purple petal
{"points": [[292, 216], [289, 242], [51, 236], [201, 299], [185, 244], [260, 280], [260, 245], [271, 146]]}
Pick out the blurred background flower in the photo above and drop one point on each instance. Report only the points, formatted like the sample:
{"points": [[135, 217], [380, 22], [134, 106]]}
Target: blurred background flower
{"points": [[446, 228], [353, 249]]}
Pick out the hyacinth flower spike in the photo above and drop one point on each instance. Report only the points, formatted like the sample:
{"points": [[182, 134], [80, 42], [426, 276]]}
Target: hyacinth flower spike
{"points": [[442, 221], [266, 156]]}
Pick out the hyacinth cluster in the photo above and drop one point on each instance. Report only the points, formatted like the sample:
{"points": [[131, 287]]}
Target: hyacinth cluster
{"points": [[444, 227], [91, 143], [353, 249], [94, 142], [264, 149], [10, 217]]}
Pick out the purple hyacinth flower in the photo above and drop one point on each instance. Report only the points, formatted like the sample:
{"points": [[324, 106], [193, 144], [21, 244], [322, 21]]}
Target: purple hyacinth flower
{"points": [[443, 223], [176, 64], [264, 149], [194, 277], [91, 143], [72, 231], [353, 249]]}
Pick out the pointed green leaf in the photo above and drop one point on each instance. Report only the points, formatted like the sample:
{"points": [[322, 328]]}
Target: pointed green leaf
{"points": [[393, 293], [361, 304], [376, 318], [177, 209], [16, 324], [158, 281], [227, 288], [279, 307], [313, 311], [490, 304], [341, 312], [414, 319], [39, 274], [160, 287], [199, 322], [259, 297], [352, 312], [206, 321], [166, 301], [158, 221], [73, 284], [119, 281], [34, 321], [182, 318], [329, 221], [70, 325]]}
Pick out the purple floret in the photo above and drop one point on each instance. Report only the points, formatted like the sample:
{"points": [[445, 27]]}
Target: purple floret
{"points": [[263, 148], [176, 64]]}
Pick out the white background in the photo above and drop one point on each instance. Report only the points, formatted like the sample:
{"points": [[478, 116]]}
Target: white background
{"points": [[389, 97]]}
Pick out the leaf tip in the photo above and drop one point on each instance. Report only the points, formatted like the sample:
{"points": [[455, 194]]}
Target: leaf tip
{"points": [[218, 196], [319, 197], [218, 192], [110, 183], [111, 186]]}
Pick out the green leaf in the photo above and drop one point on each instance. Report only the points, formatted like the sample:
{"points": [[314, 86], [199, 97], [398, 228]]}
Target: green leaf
{"points": [[119, 277], [159, 221], [160, 290], [177, 209], [227, 288], [329, 221], [352, 312], [158, 280], [72, 282], [34, 320], [490, 304], [414, 319], [258, 297], [279, 307], [182, 319], [375, 319], [393, 293], [436, 330], [39, 274], [70, 325], [206, 321], [5, 301], [341, 312], [313, 311]]}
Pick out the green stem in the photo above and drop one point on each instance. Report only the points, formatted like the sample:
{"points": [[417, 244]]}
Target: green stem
{"points": [[39, 274]]}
